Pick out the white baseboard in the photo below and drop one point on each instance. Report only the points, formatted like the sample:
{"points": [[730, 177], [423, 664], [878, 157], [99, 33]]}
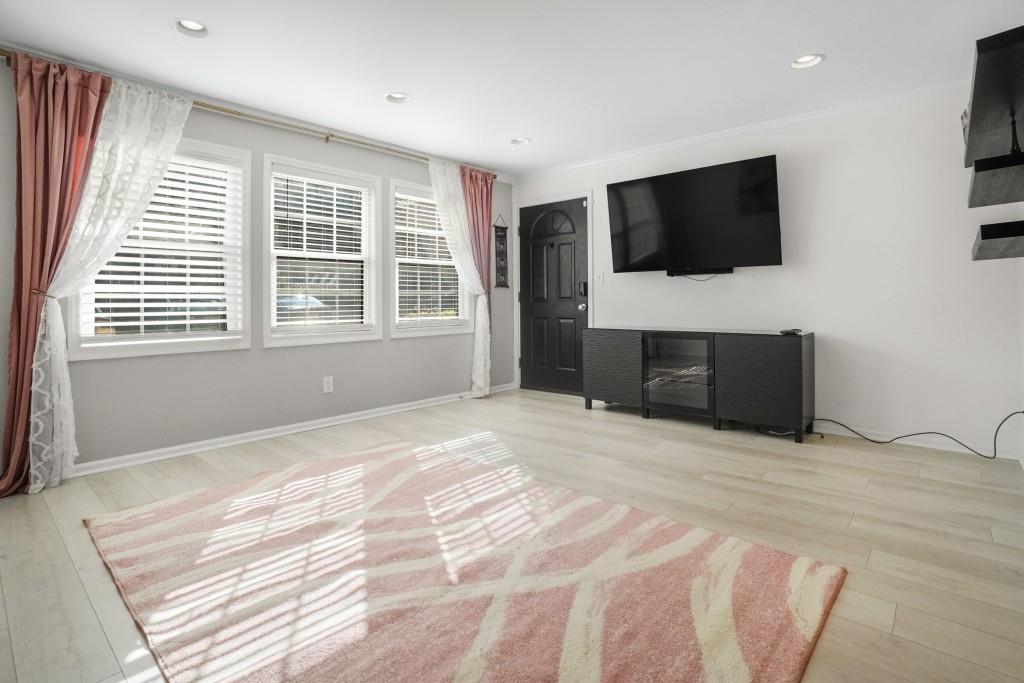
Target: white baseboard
{"points": [[925, 441], [167, 452], [156, 454]]}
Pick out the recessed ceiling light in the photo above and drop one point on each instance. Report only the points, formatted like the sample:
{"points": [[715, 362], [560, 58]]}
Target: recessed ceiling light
{"points": [[520, 141], [807, 61], [191, 28], [397, 97]]}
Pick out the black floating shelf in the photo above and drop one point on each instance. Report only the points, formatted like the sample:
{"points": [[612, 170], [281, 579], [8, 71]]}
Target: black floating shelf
{"points": [[997, 90], [997, 180], [999, 240]]}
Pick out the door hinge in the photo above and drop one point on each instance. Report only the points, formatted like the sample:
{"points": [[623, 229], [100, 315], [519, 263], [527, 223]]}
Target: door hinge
{"points": [[520, 362], [519, 297]]}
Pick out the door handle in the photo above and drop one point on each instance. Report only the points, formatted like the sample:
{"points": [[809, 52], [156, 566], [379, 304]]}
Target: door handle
{"points": [[582, 307]]}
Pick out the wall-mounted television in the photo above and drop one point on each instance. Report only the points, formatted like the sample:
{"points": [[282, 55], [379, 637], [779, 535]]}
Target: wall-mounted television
{"points": [[704, 220]]}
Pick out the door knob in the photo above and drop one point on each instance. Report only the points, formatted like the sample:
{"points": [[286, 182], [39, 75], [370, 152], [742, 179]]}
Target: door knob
{"points": [[582, 307]]}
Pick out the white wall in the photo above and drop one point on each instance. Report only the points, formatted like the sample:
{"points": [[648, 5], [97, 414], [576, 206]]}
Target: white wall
{"points": [[910, 333], [129, 405]]}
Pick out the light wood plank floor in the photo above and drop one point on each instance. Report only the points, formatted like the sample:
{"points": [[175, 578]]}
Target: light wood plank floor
{"points": [[934, 541]]}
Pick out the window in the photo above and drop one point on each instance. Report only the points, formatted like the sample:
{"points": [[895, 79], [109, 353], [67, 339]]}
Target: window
{"points": [[321, 284], [428, 295], [178, 283]]}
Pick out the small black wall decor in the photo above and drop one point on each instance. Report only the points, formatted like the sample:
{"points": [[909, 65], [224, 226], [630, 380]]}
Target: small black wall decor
{"points": [[500, 253]]}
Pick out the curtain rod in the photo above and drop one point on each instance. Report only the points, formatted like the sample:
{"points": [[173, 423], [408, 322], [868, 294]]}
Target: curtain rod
{"points": [[325, 135]]}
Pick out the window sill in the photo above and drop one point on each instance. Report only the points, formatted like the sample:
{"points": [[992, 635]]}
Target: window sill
{"points": [[279, 339], [431, 329], [161, 347]]}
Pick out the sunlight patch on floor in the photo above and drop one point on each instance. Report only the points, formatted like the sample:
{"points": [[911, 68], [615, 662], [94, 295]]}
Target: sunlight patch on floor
{"points": [[495, 526], [317, 590]]}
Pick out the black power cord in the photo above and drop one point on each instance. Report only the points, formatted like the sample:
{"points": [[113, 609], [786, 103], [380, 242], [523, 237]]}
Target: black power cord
{"points": [[701, 279], [995, 436]]}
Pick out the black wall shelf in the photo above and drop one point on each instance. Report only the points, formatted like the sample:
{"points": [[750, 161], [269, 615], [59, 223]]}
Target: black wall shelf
{"points": [[999, 240], [997, 180], [997, 93], [991, 141]]}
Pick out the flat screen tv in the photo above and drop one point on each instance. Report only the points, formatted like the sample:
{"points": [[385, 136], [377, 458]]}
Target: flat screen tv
{"points": [[705, 220]]}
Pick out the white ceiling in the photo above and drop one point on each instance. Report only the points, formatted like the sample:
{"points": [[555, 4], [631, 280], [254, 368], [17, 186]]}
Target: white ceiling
{"points": [[583, 78]]}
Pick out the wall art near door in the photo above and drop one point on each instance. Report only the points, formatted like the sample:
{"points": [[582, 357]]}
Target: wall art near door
{"points": [[501, 255]]}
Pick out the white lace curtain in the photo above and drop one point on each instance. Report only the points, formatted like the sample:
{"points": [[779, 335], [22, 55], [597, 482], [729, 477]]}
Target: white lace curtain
{"points": [[139, 131], [446, 179]]}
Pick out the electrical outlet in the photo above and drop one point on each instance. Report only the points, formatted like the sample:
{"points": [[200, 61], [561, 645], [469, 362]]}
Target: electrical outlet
{"points": [[328, 384]]}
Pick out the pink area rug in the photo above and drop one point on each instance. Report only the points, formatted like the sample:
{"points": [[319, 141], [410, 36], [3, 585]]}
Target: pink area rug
{"points": [[451, 563]]}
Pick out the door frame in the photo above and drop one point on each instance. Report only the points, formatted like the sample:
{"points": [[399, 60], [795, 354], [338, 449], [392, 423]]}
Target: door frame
{"points": [[513, 257]]}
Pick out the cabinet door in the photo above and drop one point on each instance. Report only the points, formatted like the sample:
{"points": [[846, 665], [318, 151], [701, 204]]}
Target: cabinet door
{"points": [[679, 372], [758, 379], [613, 366]]}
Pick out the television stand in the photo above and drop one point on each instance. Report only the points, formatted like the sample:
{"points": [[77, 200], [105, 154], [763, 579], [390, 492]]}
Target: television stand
{"points": [[759, 378]]}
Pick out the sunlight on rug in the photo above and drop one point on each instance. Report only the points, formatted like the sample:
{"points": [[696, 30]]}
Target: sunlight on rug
{"points": [[451, 563]]}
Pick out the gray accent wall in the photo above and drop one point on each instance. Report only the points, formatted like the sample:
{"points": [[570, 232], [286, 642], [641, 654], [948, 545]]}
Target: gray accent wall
{"points": [[129, 405]]}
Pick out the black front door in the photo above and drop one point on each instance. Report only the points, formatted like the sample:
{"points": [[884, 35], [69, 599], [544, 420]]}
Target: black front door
{"points": [[553, 295]]}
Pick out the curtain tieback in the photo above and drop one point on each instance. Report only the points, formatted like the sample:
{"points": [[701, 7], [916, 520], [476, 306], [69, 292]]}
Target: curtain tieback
{"points": [[43, 294]]}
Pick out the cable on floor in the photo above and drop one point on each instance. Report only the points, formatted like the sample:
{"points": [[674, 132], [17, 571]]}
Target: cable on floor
{"points": [[995, 435]]}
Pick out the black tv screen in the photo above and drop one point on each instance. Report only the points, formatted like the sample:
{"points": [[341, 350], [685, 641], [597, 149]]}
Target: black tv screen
{"points": [[704, 219]]}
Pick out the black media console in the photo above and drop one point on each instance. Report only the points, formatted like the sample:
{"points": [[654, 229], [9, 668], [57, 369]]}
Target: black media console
{"points": [[760, 378]]}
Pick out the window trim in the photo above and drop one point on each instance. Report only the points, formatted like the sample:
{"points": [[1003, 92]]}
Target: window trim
{"points": [[159, 345], [367, 331], [420, 328]]}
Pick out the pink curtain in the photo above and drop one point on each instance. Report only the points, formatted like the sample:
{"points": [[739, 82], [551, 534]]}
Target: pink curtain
{"points": [[478, 186], [59, 110]]}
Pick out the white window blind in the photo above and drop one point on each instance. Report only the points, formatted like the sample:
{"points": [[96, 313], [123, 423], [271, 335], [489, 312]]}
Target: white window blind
{"points": [[428, 285], [319, 253], [179, 274]]}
